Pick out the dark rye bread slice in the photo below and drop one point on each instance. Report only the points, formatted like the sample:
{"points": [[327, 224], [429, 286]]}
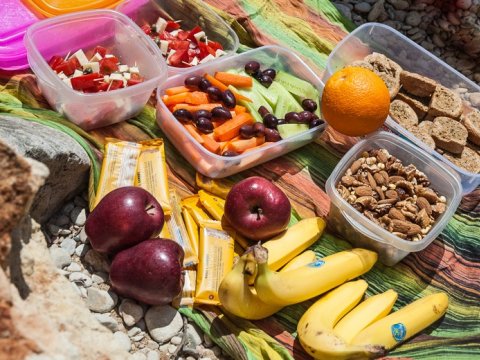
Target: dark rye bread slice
{"points": [[471, 121], [445, 102], [423, 136], [469, 160], [449, 134], [403, 114], [416, 84], [387, 69], [418, 104]]}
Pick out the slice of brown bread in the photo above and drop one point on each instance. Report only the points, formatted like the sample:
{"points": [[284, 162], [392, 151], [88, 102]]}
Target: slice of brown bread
{"points": [[423, 136], [361, 63], [418, 104], [417, 84], [449, 134], [469, 160], [403, 114], [387, 69], [426, 126], [445, 102], [472, 122]]}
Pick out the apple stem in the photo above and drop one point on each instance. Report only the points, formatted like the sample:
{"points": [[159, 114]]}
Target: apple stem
{"points": [[259, 212]]}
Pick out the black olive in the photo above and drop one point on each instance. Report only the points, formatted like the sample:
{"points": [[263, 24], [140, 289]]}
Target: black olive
{"points": [[305, 116], [309, 105], [204, 84], [270, 72], [214, 93], [229, 153], [204, 125], [270, 121], [221, 113], [202, 113], [193, 80], [281, 122], [316, 122], [247, 132], [252, 67], [258, 129], [293, 117], [183, 115], [229, 99], [265, 80], [272, 135], [263, 111]]}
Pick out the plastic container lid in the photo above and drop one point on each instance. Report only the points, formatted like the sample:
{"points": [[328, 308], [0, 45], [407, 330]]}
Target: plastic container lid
{"points": [[51, 8], [15, 18]]}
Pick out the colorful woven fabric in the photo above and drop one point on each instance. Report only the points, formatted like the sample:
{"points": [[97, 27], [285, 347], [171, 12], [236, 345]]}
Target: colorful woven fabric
{"points": [[451, 263]]}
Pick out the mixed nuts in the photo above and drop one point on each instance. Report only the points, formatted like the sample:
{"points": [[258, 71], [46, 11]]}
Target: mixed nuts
{"points": [[397, 197]]}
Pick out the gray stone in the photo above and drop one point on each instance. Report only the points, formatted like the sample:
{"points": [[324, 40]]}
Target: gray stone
{"points": [[53, 229], [153, 355], [83, 236], [123, 340], [97, 279], [207, 341], [176, 340], [59, 257], [171, 348], [344, 10], [153, 345], [413, 18], [217, 351], [73, 267], [78, 216], [65, 158], [377, 10], [400, 4], [138, 337], [64, 232], [194, 336], [130, 312], [97, 261], [163, 322], [363, 7], [69, 245], [68, 208], [134, 331], [80, 202], [138, 356], [100, 300], [141, 324], [107, 321], [81, 250], [62, 220], [80, 278]]}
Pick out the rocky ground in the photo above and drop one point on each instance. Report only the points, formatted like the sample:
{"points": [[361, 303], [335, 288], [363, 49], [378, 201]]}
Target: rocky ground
{"points": [[450, 29], [148, 333]]}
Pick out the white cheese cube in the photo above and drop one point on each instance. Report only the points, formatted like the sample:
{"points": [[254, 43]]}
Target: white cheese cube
{"points": [[194, 61], [164, 46], [80, 55], [170, 54], [161, 25], [116, 76], [127, 76], [134, 70], [77, 73], [95, 66], [207, 58], [96, 57], [199, 35], [174, 32], [106, 78], [219, 52], [62, 75], [68, 82], [107, 56], [123, 68]]}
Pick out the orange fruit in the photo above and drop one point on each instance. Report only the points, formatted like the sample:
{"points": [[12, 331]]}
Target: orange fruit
{"points": [[355, 101]]}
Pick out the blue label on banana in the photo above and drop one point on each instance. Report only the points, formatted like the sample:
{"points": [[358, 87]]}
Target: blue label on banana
{"points": [[399, 331], [317, 263]]}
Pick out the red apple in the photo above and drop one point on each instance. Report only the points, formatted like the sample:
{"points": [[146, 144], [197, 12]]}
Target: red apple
{"points": [[123, 218], [257, 208], [151, 272]]}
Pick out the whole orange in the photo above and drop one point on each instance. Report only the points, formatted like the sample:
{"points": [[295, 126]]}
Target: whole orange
{"points": [[355, 101]]}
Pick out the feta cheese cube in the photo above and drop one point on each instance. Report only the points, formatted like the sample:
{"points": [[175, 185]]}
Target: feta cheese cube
{"points": [[80, 55], [107, 56], [194, 61], [134, 69], [174, 32], [207, 58], [95, 66], [164, 46], [170, 54], [62, 75], [199, 35], [106, 78], [123, 68], [127, 76], [67, 81], [219, 52], [161, 25], [96, 57], [116, 76], [77, 73]]}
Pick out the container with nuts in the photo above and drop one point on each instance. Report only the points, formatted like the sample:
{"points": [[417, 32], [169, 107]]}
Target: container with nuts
{"points": [[389, 196]]}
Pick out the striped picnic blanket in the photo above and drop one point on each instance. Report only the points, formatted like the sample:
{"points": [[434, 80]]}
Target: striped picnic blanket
{"points": [[451, 263]]}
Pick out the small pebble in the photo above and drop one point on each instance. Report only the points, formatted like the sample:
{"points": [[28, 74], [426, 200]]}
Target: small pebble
{"points": [[176, 340], [96, 261], [138, 356], [78, 216], [80, 278], [53, 229], [97, 279], [68, 208], [83, 236], [163, 322], [74, 267], [130, 312], [363, 7], [134, 331], [100, 300], [80, 202], [107, 321], [60, 257], [62, 220], [138, 337], [153, 355], [207, 341], [81, 250], [152, 344], [123, 340], [217, 351], [64, 232], [172, 348], [69, 245]]}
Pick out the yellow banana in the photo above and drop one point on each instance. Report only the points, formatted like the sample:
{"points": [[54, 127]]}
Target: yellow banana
{"points": [[298, 237], [304, 258], [240, 299], [372, 309], [315, 328], [404, 323], [219, 187], [306, 282]]}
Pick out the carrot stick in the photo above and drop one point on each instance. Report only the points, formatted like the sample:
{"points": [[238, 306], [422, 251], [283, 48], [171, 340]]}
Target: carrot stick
{"points": [[197, 98], [175, 99], [194, 132], [224, 87], [177, 90], [233, 79], [266, 143], [232, 127], [240, 146], [210, 144], [193, 108], [240, 109]]}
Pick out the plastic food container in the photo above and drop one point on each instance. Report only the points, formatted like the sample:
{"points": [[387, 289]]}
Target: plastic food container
{"points": [[383, 39], [217, 166], [85, 30], [361, 231], [15, 18], [50, 8], [191, 13]]}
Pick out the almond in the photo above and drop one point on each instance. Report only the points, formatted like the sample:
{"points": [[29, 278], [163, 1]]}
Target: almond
{"points": [[391, 194], [423, 203], [405, 227], [371, 181], [396, 214], [363, 191], [356, 165], [428, 194]]}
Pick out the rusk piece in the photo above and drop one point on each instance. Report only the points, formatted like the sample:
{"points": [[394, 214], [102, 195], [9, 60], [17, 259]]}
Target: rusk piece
{"points": [[445, 102], [426, 126], [423, 136], [472, 122], [388, 70], [416, 84], [363, 64], [418, 104], [469, 160], [403, 114], [449, 134]]}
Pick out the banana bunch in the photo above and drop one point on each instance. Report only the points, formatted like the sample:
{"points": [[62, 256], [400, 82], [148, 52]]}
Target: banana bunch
{"points": [[338, 326]]}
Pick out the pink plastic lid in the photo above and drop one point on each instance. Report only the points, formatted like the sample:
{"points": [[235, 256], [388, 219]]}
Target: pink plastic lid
{"points": [[15, 18]]}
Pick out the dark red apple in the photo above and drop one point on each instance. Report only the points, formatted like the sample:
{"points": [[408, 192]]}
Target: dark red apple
{"points": [[257, 208], [123, 218], [151, 272]]}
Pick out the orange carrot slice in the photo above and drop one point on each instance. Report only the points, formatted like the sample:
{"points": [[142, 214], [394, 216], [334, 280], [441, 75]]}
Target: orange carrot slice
{"points": [[197, 98], [233, 79], [240, 109], [194, 132], [193, 108], [210, 144], [224, 87], [177, 90], [232, 127], [240, 146], [175, 99]]}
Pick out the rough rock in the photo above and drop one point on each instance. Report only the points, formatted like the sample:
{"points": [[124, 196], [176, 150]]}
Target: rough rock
{"points": [[96, 261], [363, 7], [78, 216], [107, 321], [69, 245], [130, 312], [122, 340], [60, 257], [100, 300], [66, 160], [194, 337], [163, 322]]}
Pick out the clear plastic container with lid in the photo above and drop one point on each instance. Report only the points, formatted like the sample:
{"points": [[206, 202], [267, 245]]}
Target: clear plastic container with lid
{"points": [[85, 30], [353, 226], [217, 166], [190, 14], [373, 37]]}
